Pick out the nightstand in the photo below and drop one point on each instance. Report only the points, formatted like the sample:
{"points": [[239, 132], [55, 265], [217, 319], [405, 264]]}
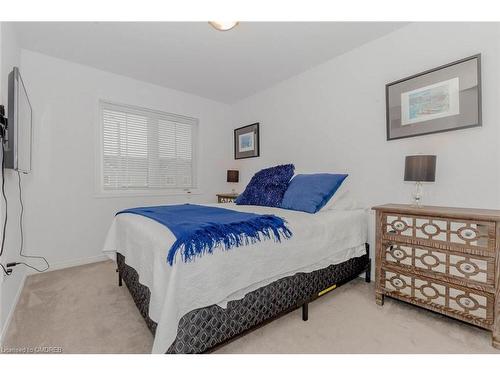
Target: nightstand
{"points": [[226, 198], [443, 259]]}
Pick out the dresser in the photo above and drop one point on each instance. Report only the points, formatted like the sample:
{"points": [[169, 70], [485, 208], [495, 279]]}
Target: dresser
{"points": [[444, 259], [226, 198]]}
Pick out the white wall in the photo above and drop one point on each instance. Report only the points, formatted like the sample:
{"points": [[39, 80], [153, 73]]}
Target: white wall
{"points": [[332, 118], [10, 286], [65, 221]]}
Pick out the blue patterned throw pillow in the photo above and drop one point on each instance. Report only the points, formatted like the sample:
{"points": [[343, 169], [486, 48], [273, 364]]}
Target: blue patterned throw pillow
{"points": [[267, 187]]}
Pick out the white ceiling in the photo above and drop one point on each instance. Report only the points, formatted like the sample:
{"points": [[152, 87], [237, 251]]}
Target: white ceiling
{"points": [[195, 58]]}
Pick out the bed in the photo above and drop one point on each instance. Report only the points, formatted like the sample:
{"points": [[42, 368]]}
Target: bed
{"points": [[197, 306]]}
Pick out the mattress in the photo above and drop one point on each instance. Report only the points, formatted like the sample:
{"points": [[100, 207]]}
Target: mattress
{"points": [[318, 240]]}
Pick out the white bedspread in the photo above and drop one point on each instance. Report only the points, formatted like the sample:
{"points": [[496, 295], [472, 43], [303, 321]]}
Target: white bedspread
{"points": [[325, 238]]}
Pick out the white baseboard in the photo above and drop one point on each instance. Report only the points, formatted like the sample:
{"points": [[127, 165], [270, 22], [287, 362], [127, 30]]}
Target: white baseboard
{"points": [[53, 267], [12, 309], [78, 262]]}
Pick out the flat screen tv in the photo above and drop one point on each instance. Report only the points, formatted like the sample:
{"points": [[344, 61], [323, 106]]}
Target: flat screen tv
{"points": [[17, 147]]}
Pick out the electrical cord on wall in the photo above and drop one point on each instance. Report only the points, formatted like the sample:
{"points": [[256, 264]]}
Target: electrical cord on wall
{"points": [[5, 200], [3, 130], [21, 226], [21, 248]]}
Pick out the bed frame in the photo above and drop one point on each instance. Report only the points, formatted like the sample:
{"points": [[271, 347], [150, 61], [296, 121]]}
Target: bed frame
{"points": [[207, 329]]}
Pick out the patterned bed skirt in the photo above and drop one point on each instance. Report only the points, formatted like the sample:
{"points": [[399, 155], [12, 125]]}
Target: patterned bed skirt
{"points": [[203, 330]]}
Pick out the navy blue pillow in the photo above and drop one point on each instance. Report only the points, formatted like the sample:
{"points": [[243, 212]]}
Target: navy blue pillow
{"points": [[267, 187], [310, 192]]}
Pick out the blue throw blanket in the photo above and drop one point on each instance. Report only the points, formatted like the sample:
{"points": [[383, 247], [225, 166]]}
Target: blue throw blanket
{"points": [[200, 229]]}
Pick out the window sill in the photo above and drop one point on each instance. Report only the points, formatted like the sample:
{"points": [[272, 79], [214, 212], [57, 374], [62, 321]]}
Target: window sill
{"points": [[142, 193]]}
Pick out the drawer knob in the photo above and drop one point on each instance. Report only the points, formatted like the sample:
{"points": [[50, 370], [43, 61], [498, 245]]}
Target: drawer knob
{"points": [[398, 225], [466, 267], [398, 283], [398, 254], [467, 302], [468, 233]]}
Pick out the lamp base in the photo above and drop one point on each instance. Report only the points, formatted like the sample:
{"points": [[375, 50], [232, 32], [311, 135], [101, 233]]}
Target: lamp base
{"points": [[417, 195]]}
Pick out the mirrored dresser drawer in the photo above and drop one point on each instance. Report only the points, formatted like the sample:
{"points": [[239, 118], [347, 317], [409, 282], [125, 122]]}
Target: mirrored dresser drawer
{"points": [[470, 305], [442, 232], [460, 267]]}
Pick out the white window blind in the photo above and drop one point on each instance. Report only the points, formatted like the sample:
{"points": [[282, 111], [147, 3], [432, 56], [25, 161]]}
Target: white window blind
{"points": [[145, 149]]}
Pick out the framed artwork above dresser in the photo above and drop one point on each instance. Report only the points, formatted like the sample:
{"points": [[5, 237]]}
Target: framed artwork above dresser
{"points": [[441, 99]]}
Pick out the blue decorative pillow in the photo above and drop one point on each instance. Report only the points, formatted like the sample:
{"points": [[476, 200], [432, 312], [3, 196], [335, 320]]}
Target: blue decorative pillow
{"points": [[310, 192], [266, 188]]}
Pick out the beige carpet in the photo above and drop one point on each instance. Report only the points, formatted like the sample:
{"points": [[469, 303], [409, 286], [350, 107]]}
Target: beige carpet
{"points": [[82, 310]]}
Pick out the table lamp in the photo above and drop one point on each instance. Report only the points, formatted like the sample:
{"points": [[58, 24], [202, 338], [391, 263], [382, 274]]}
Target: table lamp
{"points": [[420, 168], [233, 176]]}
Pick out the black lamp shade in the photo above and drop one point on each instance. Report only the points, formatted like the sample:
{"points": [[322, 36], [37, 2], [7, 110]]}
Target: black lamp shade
{"points": [[233, 176], [421, 168]]}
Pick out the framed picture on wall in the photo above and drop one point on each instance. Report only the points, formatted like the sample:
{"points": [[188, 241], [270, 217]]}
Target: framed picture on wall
{"points": [[437, 100], [246, 142]]}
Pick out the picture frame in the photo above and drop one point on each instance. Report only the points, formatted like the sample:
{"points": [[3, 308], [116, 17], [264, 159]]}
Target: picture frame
{"points": [[247, 141], [438, 100]]}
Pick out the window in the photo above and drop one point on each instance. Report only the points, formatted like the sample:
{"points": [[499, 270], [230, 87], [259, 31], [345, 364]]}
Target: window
{"points": [[146, 150]]}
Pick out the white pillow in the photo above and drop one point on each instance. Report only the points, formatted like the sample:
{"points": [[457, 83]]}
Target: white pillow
{"points": [[342, 199]]}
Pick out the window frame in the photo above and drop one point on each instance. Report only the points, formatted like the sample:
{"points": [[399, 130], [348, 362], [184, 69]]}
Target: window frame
{"points": [[101, 192]]}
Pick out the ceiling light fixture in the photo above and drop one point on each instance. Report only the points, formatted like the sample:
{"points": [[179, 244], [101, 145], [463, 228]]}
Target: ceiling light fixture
{"points": [[223, 26]]}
